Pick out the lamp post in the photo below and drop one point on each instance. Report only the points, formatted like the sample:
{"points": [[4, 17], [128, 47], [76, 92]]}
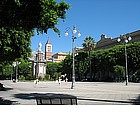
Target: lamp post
{"points": [[37, 66], [15, 64], [75, 34], [124, 39]]}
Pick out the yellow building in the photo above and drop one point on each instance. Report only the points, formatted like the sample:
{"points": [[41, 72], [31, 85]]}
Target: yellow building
{"points": [[58, 57]]}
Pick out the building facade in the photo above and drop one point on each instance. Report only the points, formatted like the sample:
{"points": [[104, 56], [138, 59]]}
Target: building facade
{"points": [[40, 59], [48, 51], [106, 42], [58, 57]]}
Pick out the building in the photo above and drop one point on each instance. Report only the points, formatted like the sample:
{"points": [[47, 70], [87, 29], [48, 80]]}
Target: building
{"points": [[58, 57], [48, 51], [105, 42], [40, 59]]}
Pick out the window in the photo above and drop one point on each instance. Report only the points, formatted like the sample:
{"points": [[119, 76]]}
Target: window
{"points": [[49, 48]]}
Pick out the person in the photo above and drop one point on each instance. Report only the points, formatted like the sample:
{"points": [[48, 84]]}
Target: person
{"points": [[14, 80], [59, 81], [66, 79], [36, 81]]}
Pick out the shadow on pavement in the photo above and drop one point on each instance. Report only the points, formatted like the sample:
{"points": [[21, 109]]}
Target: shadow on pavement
{"points": [[130, 101], [109, 101], [136, 101], [5, 89], [31, 96], [6, 102]]}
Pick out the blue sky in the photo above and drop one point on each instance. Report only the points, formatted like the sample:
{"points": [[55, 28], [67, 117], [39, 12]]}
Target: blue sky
{"points": [[93, 18]]}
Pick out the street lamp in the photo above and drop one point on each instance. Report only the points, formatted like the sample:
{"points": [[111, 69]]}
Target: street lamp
{"points": [[15, 64], [75, 34], [124, 39]]}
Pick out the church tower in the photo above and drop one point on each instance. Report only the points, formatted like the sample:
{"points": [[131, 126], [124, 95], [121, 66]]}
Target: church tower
{"points": [[48, 50]]}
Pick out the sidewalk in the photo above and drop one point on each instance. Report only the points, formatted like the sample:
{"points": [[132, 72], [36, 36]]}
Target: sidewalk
{"points": [[95, 93]]}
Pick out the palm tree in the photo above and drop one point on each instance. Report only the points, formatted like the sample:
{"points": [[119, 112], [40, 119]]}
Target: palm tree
{"points": [[89, 45]]}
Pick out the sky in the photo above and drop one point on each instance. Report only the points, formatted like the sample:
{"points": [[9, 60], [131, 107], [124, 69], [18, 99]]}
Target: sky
{"points": [[92, 18]]}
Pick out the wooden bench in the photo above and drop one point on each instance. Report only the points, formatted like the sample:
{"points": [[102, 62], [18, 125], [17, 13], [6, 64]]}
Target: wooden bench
{"points": [[56, 99]]}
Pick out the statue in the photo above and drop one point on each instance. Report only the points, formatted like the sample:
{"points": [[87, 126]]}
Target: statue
{"points": [[39, 47]]}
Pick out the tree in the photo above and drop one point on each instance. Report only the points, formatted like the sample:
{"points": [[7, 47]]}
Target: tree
{"points": [[31, 14], [119, 72], [81, 65], [19, 18], [104, 62], [14, 43], [6, 71], [67, 66], [25, 70], [53, 69], [89, 45]]}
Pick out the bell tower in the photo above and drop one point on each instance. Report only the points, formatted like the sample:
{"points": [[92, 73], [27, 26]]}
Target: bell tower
{"points": [[48, 50]]}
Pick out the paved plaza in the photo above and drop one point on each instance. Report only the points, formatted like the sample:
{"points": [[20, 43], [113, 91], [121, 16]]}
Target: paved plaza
{"points": [[88, 93]]}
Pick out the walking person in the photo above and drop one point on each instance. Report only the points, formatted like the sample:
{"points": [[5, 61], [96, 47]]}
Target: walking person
{"points": [[59, 81], [36, 82]]}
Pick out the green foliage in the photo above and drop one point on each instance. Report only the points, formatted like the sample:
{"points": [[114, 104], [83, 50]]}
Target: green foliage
{"points": [[119, 70], [67, 65], [81, 64], [103, 62], [40, 78], [53, 69], [21, 78], [47, 77], [31, 14], [89, 43], [14, 43], [18, 20], [119, 73], [136, 76], [6, 71], [25, 70]]}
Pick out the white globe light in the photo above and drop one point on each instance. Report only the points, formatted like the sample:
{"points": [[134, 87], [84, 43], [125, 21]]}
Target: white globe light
{"points": [[119, 40], [126, 41], [129, 38], [79, 34], [66, 34], [74, 31]]}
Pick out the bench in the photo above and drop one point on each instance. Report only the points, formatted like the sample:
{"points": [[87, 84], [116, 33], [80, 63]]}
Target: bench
{"points": [[56, 99]]}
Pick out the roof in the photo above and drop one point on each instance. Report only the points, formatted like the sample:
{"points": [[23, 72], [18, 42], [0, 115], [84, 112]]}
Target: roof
{"points": [[61, 53], [48, 41]]}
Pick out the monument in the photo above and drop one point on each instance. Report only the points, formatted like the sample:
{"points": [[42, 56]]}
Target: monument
{"points": [[39, 64]]}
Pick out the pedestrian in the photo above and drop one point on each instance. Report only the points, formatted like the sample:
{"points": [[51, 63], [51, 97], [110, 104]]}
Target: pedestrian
{"points": [[36, 81], [66, 79], [59, 81]]}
